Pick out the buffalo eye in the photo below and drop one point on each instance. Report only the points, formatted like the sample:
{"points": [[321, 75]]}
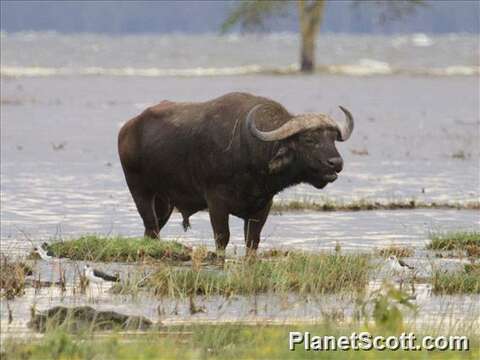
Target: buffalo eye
{"points": [[310, 141]]}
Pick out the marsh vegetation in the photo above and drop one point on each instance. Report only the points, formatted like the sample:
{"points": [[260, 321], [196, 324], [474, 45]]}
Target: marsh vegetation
{"points": [[297, 272], [365, 204], [120, 249], [12, 277], [398, 251], [170, 271], [454, 240], [382, 314], [465, 281]]}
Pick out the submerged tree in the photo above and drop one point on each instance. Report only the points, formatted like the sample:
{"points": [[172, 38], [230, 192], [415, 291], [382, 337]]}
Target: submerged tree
{"points": [[310, 15], [252, 14]]}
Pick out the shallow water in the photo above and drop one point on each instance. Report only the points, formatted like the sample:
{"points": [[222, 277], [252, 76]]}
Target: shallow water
{"points": [[80, 188], [302, 230], [60, 175], [457, 312]]}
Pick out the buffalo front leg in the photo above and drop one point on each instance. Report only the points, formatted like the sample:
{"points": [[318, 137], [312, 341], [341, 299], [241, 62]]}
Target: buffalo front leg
{"points": [[219, 220], [252, 228], [145, 202]]}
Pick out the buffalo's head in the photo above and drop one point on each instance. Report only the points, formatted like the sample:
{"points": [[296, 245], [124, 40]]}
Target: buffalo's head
{"points": [[306, 145]]}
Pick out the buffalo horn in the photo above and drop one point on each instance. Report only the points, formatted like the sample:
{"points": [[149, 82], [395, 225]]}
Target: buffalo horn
{"points": [[300, 123]]}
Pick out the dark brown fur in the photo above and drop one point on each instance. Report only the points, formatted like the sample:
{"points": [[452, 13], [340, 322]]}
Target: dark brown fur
{"points": [[194, 156]]}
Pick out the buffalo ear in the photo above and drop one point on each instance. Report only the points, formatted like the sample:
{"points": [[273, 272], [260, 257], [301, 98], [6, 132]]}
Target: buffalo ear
{"points": [[281, 160]]}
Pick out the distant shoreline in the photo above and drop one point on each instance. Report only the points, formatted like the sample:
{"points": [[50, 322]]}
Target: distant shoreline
{"points": [[365, 67]]}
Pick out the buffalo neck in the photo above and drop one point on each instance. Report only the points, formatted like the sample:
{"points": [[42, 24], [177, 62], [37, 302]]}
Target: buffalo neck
{"points": [[278, 182]]}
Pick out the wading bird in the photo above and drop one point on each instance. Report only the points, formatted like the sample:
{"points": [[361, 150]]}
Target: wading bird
{"points": [[48, 256], [44, 254], [97, 276], [399, 267]]}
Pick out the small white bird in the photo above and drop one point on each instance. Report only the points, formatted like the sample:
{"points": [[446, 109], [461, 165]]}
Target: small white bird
{"points": [[44, 254], [97, 276]]}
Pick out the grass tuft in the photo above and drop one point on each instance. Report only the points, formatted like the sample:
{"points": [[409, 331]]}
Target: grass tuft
{"points": [[472, 269], [12, 277], [398, 251], [456, 240], [458, 282], [296, 272], [98, 248], [364, 204]]}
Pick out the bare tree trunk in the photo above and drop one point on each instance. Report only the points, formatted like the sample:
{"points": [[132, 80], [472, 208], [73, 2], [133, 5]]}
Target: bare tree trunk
{"points": [[311, 14]]}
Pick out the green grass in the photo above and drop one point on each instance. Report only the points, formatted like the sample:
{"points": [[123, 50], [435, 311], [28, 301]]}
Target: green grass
{"points": [[98, 248], [365, 204], [398, 251], [454, 240], [457, 282], [297, 272], [472, 268], [462, 281], [209, 342]]}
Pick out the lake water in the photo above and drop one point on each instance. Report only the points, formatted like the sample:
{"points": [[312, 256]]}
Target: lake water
{"points": [[50, 53], [458, 312], [420, 129], [64, 98]]}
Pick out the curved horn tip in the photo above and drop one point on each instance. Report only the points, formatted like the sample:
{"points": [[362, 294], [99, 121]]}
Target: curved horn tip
{"points": [[346, 131], [345, 110]]}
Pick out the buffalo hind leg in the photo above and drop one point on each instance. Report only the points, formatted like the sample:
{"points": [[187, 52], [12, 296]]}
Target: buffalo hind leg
{"points": [[163, 210], [145, 202], [219, 220], [252, 228]]}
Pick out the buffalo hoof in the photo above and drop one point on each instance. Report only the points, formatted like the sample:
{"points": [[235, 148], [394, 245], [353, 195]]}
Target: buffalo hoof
{"points": [[152, 234], [251, 254]]}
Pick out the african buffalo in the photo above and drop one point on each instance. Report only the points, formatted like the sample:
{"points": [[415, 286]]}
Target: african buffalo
{"points": [[194, 156]]}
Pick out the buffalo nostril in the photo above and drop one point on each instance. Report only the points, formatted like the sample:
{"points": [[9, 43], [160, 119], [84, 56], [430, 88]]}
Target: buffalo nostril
{"points": [[336, 163]]}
